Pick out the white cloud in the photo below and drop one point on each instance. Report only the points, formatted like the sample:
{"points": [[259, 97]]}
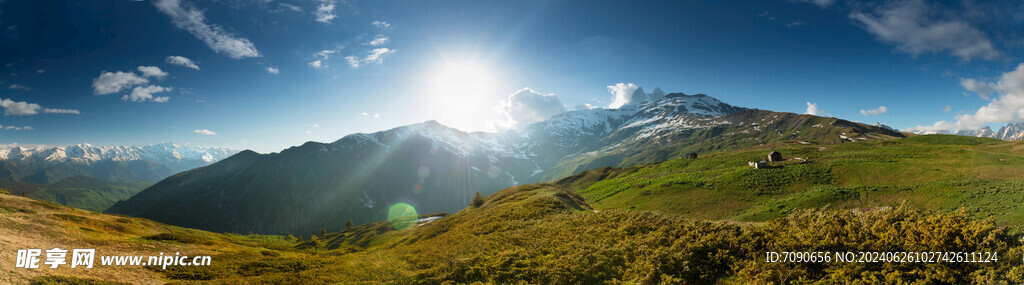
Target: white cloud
{"points": [[377, 55], [19, 87], [113, 82], [324, 54], [1006, 107], [188, 18], [812, 109], [820, 3], [41, 71], [273, 70], [12, 108], [381, 24], [373, 56], [22, 108], [795, 23], [915, 28], [183, 61], [365, 114], [352, 61], [622, 94], [60, 111], [13, 128], [981, 88], [376, 116], [205, 132], [317, 64], [874, 112], [141, 94], [152, 71], [947, 109], [290, 7], [325, 11], [310, 128], [586, 106], [379, 40], [526, 106]]}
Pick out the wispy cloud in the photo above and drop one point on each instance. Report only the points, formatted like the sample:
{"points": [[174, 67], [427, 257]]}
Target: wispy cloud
{"points": [[874, 112], [325, 11], [183, 61], [379, 40], [144, 93], [205, 132], [381, 24], [14, 128], [60, 111], [273, 70], [795, 23], [983, 89], [820, 3], [289, 7], [188, 18], [913, 27], [373, 56], [19, 87]]}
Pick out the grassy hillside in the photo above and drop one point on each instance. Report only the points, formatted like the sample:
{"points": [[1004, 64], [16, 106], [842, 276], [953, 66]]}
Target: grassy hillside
{"points": [[943, 172], [537, 234], [28, 223], [79, 191], [544, 234]]}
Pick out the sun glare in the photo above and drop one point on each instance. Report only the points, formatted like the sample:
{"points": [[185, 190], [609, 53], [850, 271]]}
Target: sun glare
{"points": [[462, 90]]}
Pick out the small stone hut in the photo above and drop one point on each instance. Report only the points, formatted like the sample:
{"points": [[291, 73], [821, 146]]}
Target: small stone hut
{"points": [[774, 156]]}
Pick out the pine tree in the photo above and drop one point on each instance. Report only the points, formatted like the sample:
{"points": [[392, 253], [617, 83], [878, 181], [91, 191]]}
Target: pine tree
{"points": [[478, 200], [349, 224], [323, 232]]}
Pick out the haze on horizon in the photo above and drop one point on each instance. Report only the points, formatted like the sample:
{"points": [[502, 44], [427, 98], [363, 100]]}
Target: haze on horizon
{"points": [[271, 74]]}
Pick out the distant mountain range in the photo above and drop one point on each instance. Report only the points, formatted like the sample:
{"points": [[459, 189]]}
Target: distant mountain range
{"points": [[438, 169], [1010, 132], [151, 163]]}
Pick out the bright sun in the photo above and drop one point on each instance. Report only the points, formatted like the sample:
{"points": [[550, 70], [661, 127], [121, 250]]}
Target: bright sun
{"points": [[462, 90]]}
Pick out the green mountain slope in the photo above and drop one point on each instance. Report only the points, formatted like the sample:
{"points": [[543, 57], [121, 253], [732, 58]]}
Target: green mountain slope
{"points": [[942, 172], [81, 192], [739, 130]]}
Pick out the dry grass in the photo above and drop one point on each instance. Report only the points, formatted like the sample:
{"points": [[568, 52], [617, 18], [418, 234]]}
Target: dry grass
{"points": [[27, 223]]}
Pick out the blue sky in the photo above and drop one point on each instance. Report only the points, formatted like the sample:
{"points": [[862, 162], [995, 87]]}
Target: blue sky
{"points": [[269, 74]]}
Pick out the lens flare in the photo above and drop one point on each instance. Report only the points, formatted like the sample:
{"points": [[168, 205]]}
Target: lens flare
{"points": [[402, 216]]}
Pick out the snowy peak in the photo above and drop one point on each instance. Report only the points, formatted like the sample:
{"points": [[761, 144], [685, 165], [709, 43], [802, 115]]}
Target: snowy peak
{"points": [[165, 153], [884, 126]]}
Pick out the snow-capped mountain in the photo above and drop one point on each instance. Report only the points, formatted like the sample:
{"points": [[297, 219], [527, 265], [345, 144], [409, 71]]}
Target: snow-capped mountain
{"points": [[1010, 132], [439, 169], [47, 164]]}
